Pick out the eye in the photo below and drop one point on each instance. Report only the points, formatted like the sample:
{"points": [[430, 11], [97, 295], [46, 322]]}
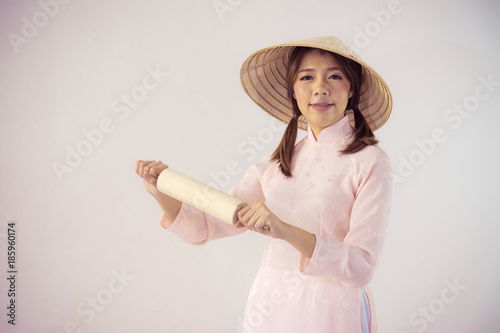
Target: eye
{"points": [[336, 77], [306, 78]]}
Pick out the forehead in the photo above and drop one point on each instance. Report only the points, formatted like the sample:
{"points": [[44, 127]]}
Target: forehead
{"points": [[318, 59]]}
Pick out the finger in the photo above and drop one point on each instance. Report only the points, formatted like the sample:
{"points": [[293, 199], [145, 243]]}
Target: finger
{"points": [[157, 169], [136, 168], [262, 225], [243, 211], [242, 223], [239, 225], [140, 167], [253, 219], [147, 168]]}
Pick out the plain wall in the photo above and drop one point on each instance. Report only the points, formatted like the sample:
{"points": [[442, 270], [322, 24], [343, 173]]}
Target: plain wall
{"points": [[90, 253]]}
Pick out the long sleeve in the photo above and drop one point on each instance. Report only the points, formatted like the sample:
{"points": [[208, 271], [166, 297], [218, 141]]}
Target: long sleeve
{"points": [[352, 261], [197, 228]]}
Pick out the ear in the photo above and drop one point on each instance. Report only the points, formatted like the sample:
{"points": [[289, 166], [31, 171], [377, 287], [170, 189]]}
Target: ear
{"points": [[293, 94], [350, 93]]}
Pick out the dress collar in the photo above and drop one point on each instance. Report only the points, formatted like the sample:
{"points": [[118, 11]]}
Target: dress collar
{"points": [[334, 132]]}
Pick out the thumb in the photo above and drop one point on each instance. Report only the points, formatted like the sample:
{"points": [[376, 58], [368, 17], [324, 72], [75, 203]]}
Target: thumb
{"points": [[150, 179]]}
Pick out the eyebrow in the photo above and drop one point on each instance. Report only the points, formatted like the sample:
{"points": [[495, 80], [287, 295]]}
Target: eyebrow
{"points": [[312, 70]]}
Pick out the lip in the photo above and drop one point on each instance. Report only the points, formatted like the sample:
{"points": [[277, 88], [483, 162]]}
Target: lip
{"points": [[321, 106]]}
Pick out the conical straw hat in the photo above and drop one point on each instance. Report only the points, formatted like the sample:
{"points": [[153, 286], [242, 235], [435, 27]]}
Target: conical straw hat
{"points": [[263, 77]]}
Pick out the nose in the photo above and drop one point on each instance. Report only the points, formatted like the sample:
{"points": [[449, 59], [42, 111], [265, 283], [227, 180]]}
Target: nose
{"points": [[321, 88]]}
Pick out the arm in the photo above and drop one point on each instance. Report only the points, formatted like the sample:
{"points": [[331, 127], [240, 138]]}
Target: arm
{"points": [[259, 218], [191, 224], [353, 260]]}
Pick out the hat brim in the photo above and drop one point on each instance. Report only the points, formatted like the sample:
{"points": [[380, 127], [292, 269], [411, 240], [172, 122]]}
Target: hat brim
{"points": [[263, 77]]}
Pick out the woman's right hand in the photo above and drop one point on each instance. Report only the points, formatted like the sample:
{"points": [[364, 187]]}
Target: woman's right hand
{"points": [[149, 172]]}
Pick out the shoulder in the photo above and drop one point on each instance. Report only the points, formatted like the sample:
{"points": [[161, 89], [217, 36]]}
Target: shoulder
{"points": [[370, 153], [264, 166], [371, 157], [372, 165]]}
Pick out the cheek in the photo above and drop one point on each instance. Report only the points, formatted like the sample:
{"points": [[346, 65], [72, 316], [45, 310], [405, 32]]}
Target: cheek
{"points": [[348, 90], [299, 93], [345, 91]]}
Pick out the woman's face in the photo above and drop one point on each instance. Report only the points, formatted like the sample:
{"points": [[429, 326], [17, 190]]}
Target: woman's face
{"points": [[321, 90]]}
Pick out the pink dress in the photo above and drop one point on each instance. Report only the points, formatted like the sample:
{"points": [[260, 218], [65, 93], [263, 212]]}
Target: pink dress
{"points": [[345, 201]]}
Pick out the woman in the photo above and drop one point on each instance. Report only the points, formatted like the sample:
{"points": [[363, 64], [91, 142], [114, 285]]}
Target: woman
{"points": [[324, 201]]}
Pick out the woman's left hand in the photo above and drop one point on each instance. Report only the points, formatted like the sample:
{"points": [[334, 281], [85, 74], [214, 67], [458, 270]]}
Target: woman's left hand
{"points": [[259, 218]]}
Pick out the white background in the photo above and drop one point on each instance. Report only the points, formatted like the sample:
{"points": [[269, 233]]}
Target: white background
{"points": [[64, 67]]}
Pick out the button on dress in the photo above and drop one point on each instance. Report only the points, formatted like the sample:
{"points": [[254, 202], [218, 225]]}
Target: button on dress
{"points": [[344, 200]]}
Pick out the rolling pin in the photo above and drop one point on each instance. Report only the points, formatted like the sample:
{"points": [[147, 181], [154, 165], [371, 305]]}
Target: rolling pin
{"points": [[200, 196]]}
